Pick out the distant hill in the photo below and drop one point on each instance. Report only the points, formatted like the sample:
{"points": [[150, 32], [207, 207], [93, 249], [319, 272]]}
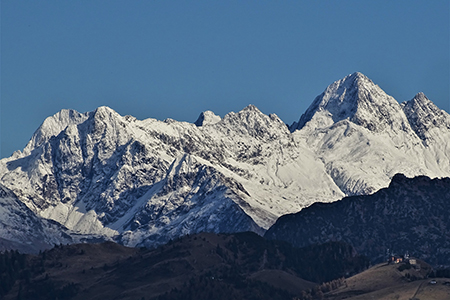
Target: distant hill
{"points": [[411, 215], [203, 266]]}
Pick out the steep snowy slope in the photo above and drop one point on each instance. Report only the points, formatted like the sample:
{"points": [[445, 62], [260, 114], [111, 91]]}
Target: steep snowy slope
{"points": [[364, 137], [21, 229]]}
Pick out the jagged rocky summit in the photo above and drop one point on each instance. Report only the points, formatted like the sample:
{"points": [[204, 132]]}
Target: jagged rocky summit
{"points": [[143, 182]]}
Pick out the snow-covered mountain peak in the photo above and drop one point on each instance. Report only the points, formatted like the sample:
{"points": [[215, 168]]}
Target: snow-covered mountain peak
{"points": [[354, 124], [358, 99], [424, 116], [251, 107], [359, 79], [420, 97], [250, 112], [53, 125], [104, 111], [422, 105], [108, 115], [251, 121], [207, 118]]}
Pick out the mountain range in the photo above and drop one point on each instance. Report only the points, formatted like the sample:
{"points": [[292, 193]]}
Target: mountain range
{"points": [[102, 176]]}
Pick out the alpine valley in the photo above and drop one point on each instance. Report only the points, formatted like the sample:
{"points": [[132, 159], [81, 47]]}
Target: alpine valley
{"points": [[102, 176]]}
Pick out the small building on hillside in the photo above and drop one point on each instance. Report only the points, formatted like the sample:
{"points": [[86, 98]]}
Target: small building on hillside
{"points": [[395, 259]]}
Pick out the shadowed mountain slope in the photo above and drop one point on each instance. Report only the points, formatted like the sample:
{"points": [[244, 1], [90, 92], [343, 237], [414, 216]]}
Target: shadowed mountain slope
{"points": [[411, 215]]}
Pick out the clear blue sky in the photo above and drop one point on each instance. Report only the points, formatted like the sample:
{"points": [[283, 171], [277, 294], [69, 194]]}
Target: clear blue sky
{"points": [[175, 59]]}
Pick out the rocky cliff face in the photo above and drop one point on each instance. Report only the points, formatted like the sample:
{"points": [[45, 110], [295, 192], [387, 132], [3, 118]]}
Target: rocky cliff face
{"points": [[411, 215], [143, 182]]}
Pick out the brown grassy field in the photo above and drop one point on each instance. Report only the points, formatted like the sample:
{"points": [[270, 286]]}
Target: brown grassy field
{"points": [[386, 282]]}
